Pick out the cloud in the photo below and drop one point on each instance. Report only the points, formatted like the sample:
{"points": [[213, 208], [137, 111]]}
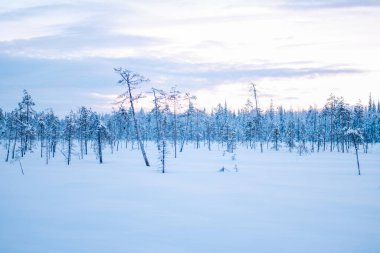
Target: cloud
{"points": [[92, 81], [290, 98], [104, 96], [32, 11], [91, 71], [268, 72], [81, 29], [304, 4], [64, 53], [74, 44]]}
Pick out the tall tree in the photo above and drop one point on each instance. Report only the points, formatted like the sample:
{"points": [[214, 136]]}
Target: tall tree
{"points": [[100, 133], [132, 81], [258, 116], [68, 135], [174, 98], [83, 129], [158, 96], [330, 111], [26, 112], [188, 115]]}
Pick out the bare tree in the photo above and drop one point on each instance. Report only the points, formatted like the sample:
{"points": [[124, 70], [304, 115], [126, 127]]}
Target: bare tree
{"points": [[161, 111], [132, 81], [174, 98], [163, 126], [258, 115], [157, 94]]}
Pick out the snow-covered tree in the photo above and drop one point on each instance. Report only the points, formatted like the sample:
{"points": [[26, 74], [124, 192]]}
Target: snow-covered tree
{"points": [[258, 117], [290, 134], [83, 129], [132, 81], [68, 136], [189, 114], [356, 136], [27, 132], [99, 135], [174, 98]]}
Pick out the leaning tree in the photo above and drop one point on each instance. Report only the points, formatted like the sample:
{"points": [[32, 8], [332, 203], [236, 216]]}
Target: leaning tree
{"points": [[132, 81]]}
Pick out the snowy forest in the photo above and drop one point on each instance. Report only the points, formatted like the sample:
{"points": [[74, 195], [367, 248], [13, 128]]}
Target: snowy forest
{"points": [[174, 123], [228, 126]]}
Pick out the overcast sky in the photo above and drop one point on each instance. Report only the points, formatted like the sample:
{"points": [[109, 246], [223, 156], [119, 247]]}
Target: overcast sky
{"points": [[298, 52]]}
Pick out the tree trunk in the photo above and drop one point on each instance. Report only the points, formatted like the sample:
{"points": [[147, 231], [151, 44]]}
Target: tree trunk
{"points": [[81, 146], [331, 133], [42, 146], [8, 148], [47, 150], [163, 156], [100, 148], [258, 119], [22, 170], [175, 132], [357, 157], [137, 127], [14, 146], [69, 152]]}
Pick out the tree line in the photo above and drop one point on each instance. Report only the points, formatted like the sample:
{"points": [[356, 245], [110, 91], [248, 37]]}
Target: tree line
{"points": [[175, 122]]}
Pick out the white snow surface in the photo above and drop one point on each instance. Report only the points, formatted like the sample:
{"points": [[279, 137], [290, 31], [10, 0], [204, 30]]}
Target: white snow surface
{"points": [[276, 202]]}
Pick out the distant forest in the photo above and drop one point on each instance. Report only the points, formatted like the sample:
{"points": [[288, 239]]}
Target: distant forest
{"points": [[175, 122]]}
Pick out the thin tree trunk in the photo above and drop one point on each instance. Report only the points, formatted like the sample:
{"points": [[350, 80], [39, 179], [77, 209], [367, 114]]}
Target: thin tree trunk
{"points": [[22, 170], [69, 152], [100, 148], [331, 133], [46, 150], [258, 119], [357, 158], [14, 146], [137, 127], [163, 155], [8, 148], [42, 146], [54, 146], [81, 146], [175, 131]]}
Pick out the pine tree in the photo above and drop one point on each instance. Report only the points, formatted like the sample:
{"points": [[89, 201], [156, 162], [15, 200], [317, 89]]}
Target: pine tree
{"points": [[68, 136], [27, 130], [188, 115], [100, 133], [290, 133]]}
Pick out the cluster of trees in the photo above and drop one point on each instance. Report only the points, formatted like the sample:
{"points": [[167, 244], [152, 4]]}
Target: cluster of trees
{"points": [[174, 121]]}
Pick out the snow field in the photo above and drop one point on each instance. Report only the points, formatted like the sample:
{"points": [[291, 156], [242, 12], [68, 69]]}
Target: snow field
{"points": [[276, 202]]}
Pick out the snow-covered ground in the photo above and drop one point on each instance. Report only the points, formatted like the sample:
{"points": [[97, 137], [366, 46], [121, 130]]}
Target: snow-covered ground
{"points": [[276, 202]]}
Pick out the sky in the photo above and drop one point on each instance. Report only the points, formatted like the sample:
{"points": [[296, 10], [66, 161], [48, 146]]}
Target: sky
{"points": [[297, 52]]}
